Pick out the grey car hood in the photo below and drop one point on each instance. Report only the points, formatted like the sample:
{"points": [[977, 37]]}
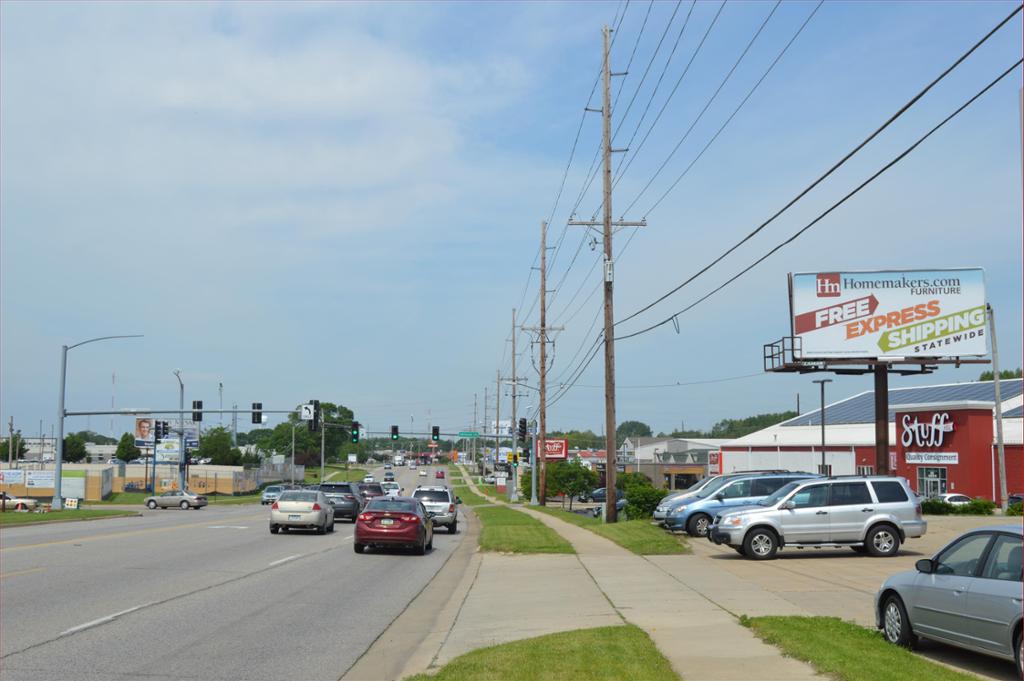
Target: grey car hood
{"points": [[746, 508]]}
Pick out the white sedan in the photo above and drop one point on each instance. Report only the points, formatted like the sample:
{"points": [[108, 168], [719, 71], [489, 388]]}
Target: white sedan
{"points": [[955, 499], [423, 473], [368, 478], [18, 503]]}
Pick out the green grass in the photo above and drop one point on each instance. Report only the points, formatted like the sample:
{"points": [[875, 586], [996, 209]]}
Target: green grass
{"points": [[602, 654], [508, 530], [342, 475], [121, 498], [847, 651], [12, 518], [468, 496], [638, 536]]}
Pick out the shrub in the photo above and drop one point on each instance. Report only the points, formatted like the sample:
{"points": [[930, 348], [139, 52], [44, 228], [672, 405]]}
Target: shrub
{"points": [[642, 500], [624, 481], [1015, 509], [975, 507], [937, 507]]}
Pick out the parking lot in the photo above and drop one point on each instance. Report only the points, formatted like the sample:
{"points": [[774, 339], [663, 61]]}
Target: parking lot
{"points": [[831, 582]]}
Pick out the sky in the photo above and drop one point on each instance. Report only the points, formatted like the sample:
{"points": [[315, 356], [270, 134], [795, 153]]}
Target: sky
{"points": [[342, 201]]}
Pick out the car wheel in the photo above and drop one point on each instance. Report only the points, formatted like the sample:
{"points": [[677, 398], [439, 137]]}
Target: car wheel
{"points": [[453, 528], [760, 544], [358, 548], [896, 624], [322, 529], [697, 525], [273, 529], [330, 528], [430, 544], [883, 540], [151, 504], [183, 505], [1018, 650], [284, 529], [420, 549]]}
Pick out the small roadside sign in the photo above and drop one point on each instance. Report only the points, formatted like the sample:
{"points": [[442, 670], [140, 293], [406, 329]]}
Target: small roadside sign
{"points": [[469, 433], [306, 412]]}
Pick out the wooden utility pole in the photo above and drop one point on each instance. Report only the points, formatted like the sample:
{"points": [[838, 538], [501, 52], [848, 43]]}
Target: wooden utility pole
{"points": [[497, 418], [515, 436], [607, 224], [541, 455]]}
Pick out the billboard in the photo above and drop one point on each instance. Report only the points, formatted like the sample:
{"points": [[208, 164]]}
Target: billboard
{"points": [[889, 313], [143, 432], [556, 449]]}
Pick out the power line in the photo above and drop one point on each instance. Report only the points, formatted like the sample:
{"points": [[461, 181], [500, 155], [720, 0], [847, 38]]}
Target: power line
{"points": [[827, 173], [835, 205], [679, 384], [711, 100]]}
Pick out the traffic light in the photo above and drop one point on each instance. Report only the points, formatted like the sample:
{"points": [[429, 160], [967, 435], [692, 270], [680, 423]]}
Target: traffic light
{"points": [[522, 429], [355, 432], [435, 433], [257, 412], [314, 424], [394, 432], [197, 410], [158, 430], [515, 459]]}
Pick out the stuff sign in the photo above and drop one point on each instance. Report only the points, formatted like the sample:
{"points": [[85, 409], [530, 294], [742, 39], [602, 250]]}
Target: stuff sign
{"points": [[556, 449], [908, 313]]}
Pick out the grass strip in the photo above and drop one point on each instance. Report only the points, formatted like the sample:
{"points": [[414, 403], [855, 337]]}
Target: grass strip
{"points": [[847, 651], [13, 518], [638, 536], [505, 529], [601, 654], [468, 496]]}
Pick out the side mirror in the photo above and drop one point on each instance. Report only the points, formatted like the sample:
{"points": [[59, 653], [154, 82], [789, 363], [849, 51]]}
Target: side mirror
{"points": [[789, 505], [720, 496], [925, 565], [458, 500]]}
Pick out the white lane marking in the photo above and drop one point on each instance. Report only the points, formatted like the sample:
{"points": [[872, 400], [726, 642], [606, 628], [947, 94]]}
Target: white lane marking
{"points": [[228, 527], [286, 559], [103, 620]]}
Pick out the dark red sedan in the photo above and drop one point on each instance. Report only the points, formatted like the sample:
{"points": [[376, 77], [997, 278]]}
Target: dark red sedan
{"points": [[394, 521]]}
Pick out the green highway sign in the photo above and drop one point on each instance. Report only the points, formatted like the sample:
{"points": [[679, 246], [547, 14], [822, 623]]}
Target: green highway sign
{"points": [[469, 433]]}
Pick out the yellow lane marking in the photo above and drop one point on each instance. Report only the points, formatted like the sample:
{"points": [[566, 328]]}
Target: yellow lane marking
{"points": [[114, 535], [4, 575]]}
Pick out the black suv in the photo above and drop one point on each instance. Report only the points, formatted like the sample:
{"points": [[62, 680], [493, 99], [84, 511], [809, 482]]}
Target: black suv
{"points": [[344, 497]]}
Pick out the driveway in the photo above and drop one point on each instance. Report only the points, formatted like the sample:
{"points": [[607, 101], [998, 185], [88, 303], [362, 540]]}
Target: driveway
{"points": [[836, 583]]}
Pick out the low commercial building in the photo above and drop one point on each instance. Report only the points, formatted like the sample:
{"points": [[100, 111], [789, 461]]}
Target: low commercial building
{"points": [[942, 439]]}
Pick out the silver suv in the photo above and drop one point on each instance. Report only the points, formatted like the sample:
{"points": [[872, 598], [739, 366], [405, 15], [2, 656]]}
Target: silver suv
{"points": [[872, 514], [441, 505]]}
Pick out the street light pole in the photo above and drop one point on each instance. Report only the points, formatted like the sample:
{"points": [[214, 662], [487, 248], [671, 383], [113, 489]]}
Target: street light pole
{"points": [[822, 382], [58, 458], [181, 436]]}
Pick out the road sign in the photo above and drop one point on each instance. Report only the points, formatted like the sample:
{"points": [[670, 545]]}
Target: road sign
{"points": [[306, 412], [469, 433]]}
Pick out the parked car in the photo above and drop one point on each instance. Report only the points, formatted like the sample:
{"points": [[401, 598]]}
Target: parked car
{"points": [[18, 503], [665, 505], [344, 497], [270, 494], [302, 509], [1015, 498], [439, 474], [694, 514], [441, 505], [367, 478], [182, 499], [968, 595], [600, 495], [620, 506], [872, 514], [952, 498], [394, 521], [490, 479]]}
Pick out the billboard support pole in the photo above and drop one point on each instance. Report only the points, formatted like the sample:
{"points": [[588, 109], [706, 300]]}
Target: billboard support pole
{"points": [[882, 418], [999, 410]]}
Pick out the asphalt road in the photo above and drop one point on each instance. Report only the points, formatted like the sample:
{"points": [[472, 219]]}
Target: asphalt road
{"points": [[206, 594]]}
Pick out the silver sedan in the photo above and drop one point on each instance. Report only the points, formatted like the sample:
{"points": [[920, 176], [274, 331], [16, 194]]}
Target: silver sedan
{"points": [[969, 595], [306, 509], [176, 499]]}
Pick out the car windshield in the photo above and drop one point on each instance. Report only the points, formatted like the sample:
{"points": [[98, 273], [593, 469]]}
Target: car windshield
{"points": [[712, 487], [298, 496], [431, 495], [779, 494], [389, 485], [700, 483], [395, 505], [272, 488]]}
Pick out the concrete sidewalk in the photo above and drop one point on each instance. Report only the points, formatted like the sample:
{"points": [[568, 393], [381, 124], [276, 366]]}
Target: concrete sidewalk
{"points": [[699, 634]]}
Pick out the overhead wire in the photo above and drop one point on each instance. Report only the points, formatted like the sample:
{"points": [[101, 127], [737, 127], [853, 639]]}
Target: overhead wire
{"points": [[833, 207], [903, 109]]}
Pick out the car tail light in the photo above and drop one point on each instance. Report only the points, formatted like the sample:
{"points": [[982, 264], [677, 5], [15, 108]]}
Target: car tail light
{"points": [[316, 507], [350, 497], [917, 511], [365, 517], [451, 508], [274, 506], [409, 518]]}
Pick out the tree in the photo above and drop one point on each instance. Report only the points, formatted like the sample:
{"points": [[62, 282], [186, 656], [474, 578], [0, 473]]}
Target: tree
{"points": [[1004, 375], [631, 429], [126, 449], [74, 448], [216, 446], [5, 447], [570, 479], [95, 438]]}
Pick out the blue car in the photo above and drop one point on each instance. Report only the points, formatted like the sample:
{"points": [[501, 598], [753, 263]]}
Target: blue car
{"points": [[694, 514]]}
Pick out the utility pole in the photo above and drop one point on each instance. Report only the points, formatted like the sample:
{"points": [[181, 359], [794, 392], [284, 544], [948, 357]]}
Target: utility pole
{"points": [[476, 423], [515, 436], [497, 418], [234, 425], [484, 468], [220, 391], [10, 443], [607, 224], [323, 430], [541, 455], [999, 410], [822, 381]]}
